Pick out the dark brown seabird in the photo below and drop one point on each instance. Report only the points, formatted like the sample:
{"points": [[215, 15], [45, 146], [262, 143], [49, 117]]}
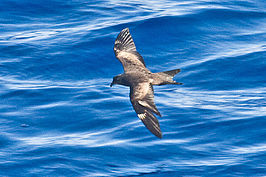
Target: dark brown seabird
{"points": [[140, 80]]}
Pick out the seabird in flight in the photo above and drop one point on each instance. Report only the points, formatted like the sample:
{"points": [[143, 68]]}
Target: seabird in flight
{"points": [[140, 80]]}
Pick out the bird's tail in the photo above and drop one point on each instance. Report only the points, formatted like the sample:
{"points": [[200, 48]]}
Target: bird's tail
{"points": [[166, 77], [172, 73]]}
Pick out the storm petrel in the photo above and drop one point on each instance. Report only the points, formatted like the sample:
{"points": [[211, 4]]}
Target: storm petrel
{"points": [[140, 80]]}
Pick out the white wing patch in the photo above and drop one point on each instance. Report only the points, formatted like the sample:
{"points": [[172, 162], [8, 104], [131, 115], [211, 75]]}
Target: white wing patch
{"points": [[142, 116]]}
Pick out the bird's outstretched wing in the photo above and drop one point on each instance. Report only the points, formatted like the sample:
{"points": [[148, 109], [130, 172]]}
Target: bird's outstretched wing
{"points": [[126, 53], [142, 99]]}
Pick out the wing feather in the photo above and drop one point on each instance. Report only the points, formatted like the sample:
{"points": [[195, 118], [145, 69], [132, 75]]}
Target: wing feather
{"points": [[142, 99], [126, 53]]}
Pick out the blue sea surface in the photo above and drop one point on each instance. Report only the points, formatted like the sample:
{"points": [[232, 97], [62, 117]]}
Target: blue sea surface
{"points": [[59, 117]]}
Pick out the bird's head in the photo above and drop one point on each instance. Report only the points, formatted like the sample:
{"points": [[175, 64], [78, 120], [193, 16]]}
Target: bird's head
{"points": [[116, 80]]}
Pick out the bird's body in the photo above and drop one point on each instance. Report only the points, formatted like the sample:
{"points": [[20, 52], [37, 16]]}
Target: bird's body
{"points": [[140, 80]]}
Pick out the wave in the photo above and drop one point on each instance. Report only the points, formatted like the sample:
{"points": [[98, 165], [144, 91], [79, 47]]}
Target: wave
{"points": [[60, 117]]}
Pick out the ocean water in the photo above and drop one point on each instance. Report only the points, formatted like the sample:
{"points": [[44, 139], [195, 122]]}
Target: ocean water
{"points": [[59, 117]]}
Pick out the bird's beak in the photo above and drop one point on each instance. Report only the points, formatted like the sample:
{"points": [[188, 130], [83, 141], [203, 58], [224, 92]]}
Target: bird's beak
{"points": [[111, 84]]}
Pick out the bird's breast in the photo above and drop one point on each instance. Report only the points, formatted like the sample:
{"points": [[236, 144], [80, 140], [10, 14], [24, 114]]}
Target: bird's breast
{"points": [[135, 78]]}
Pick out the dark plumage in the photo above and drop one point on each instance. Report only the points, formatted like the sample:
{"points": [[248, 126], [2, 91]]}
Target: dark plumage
{"points": [[140, 80]]}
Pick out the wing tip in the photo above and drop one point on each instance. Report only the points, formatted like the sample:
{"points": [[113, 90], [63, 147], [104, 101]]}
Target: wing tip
{"points": [[124, 41], [154, 129], [125, 29], [159, 135]]}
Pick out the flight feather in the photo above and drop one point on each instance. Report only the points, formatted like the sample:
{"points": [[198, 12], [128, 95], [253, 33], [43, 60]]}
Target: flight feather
{"points": [[142, 99], [126, 53]]}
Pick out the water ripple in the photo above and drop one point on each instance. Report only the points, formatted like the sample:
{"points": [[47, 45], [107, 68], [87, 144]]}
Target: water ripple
{"points": [[59, 117]]}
